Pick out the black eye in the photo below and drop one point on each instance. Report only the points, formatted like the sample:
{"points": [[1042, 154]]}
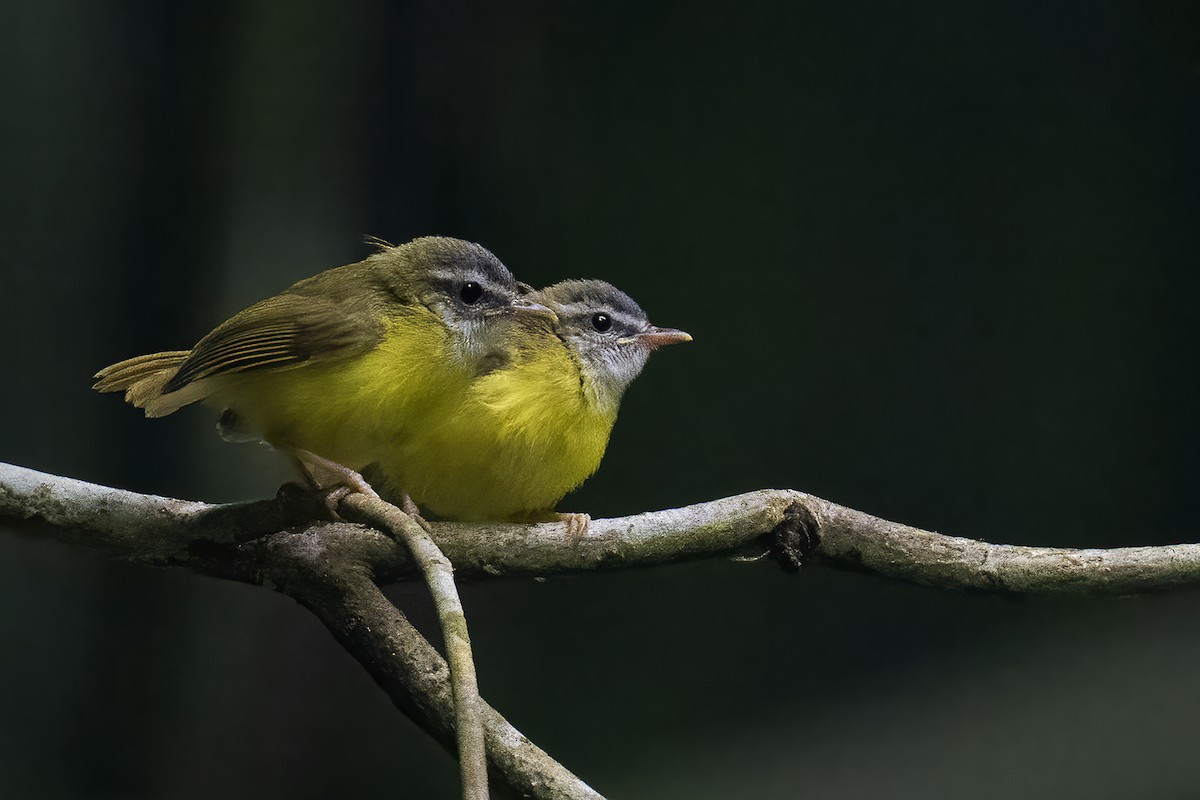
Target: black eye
{"points": [[470, 292], [601, 322]]}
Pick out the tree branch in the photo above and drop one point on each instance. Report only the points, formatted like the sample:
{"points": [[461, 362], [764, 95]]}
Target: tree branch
{"points": [[409, 528], [326, 567], [334, 568], [321, 570], [157, 531]]}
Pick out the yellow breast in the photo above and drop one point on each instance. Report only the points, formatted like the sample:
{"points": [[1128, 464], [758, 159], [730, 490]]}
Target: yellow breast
{"points": [[520, 438]]}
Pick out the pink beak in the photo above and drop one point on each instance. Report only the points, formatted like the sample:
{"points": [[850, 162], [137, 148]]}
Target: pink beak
{"points": [[655, 338]]}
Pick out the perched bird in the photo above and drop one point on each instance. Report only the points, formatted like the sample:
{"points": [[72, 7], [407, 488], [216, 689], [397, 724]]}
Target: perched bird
{"points": [[536, 426], [347, 367]]}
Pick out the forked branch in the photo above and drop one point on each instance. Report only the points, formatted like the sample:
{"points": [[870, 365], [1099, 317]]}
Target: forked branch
{"points": [[334, 569]]}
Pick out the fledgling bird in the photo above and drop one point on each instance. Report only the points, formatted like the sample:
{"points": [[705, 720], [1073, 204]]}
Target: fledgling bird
{"points": [[346, 367], [536, 426]]}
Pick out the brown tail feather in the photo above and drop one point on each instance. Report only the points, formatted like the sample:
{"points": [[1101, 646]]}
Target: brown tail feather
{"points": [[124, 373], [143, 378]]}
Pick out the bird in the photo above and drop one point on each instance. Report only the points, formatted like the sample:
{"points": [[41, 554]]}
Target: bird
{"points": [[344, 368], [538, 425]]}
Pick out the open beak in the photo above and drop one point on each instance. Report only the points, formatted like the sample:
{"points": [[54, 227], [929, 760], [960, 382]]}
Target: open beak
{"points": [[655, 338]]}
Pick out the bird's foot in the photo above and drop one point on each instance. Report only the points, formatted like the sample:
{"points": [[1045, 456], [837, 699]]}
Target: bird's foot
{"points": [[331, 480], [577, 524], [409, 507]]}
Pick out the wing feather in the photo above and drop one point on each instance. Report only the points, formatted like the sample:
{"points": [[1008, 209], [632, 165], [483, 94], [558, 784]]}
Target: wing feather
{"points": [[281, 331]]}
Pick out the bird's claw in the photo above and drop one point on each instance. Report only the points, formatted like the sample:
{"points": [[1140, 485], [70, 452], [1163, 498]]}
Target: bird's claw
{"points": [[331, 481], [576, 523]]}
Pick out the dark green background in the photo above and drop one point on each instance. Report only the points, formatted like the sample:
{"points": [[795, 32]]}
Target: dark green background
{"points": [[940, 263]]}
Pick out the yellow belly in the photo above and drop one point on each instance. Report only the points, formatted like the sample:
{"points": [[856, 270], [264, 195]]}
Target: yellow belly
{"points": [[358, 410], [519, 439]]}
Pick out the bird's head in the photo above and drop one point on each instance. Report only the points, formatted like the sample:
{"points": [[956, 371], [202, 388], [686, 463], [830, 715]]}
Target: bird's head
{"points": [[609, 333], [466, 286]]}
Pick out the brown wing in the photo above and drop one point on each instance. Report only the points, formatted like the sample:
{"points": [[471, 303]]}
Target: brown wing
{"points": [[281, 331]]}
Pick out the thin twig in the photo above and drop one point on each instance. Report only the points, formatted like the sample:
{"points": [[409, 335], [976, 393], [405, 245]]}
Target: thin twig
{"points": [[320, 569], [439, 577]]}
